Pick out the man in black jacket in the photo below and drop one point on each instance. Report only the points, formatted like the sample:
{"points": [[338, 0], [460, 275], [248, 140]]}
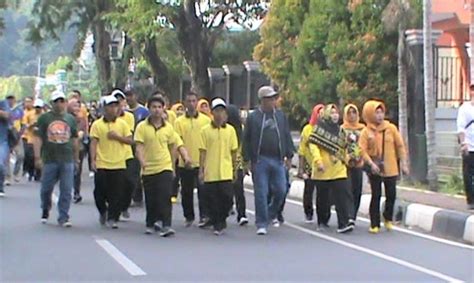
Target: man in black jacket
{"points": [[268, 146]]}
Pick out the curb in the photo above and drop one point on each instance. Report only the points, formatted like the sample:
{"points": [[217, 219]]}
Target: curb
{"points": [[441, 222]]}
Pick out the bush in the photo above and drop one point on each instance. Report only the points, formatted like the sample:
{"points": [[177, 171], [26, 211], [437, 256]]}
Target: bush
{"points": [[454, 185]]}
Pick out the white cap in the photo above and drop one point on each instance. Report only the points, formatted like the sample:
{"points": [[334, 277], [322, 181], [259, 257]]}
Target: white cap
{"points": [[216, 102], [57, 94], [38, 103], [109, 99], [118, 92], [266, 91]]}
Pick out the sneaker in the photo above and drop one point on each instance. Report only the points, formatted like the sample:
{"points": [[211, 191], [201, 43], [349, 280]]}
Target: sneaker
{"points": [[276, 223], [374, 230], [7, 183], [243, 221], [126, 214], [281, 218], [44, 216], [66, 224], [388, 225], [17, 179], [218, 232], [322, 227], [149, 230], [203, 223], [308, 219], [261, 231], [346, 229], [352, 222], [188, 223], [157, 227], [174, 200], [91, 175], [166, 232], [103, 219], [77, 198], [112, 224]]}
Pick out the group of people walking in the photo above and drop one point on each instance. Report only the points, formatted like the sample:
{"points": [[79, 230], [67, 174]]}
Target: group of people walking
{"points": [[137, 150]]}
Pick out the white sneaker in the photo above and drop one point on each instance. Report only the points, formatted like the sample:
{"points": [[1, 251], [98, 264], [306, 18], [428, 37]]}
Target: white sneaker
{"points": [[261, 231], [276, 223], [67, 224], [149, 231], [91, 175], [243, 221], [7, 183]]}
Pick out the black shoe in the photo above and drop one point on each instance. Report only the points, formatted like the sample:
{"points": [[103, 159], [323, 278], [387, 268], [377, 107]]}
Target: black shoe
{"points": [[77, 198], [352, 223], [157, 227], [346, 229], [44, 216], [309, 219], [204, 223], [103, 219], [280, 218]]}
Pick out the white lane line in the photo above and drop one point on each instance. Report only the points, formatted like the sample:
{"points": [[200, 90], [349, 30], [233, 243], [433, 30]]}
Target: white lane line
{"points": [[372, 252], [119, 257], [398, 229]]}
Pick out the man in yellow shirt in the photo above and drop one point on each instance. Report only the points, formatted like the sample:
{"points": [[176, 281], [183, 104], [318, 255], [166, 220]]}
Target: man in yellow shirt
{"points": [[218, 148], [156, 140], [30, 120], [110, 138], [133, 166], [189, 128]]}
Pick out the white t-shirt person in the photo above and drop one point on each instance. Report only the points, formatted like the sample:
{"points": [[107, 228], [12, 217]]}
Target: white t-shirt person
{"points": [[465, 123]]}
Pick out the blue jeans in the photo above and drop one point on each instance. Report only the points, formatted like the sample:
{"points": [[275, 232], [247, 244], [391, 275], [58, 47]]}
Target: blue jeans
{"points": [[64, 173], [268, 175], [4, 153]]}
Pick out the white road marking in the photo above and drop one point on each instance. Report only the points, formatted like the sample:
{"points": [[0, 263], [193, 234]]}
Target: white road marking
{"points": [[119, 257], [398, 229], [372, 252]]}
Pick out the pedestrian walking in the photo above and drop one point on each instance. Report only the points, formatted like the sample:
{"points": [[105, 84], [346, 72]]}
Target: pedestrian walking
{"points": [[110, 138], [4, 147], [267, 149], [233, 119], [56, 152], [305, 161], [155, 140], [353, 129], [189, 128], [465, 125], [218, 151], [382, 147]]}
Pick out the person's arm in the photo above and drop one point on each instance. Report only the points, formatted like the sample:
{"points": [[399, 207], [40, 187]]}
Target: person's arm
{"points": [[93, 153], [202, 162], [246, 146], [317, 159], [184, 155], [140, 154], [364, 146], [76, 149], [401, 152], [461, 123], [37, 145]]}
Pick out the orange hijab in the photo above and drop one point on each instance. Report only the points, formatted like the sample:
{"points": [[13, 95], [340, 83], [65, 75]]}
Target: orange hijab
{"points": [[352, 125], [202, 102]]}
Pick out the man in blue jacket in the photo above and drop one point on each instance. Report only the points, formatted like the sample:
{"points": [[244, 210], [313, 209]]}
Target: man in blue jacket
{"points": [[268, 146]]}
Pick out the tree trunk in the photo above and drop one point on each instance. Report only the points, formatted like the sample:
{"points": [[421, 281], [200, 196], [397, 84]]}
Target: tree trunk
{"points": [[402, 87], [430, 100], [159, 68], [121, 70], [194, 43], [101, 43]]}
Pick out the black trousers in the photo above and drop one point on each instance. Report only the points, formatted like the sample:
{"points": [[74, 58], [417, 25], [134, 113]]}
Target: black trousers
{"points": [[158, 189], [468, 176], [189, 181], [308, 195], [107, 192], [220, 200], [390, 184], [356, 179], [132, 180], [78, 173], [339, 189], [176, 182], [239, 195], [29, 162]]}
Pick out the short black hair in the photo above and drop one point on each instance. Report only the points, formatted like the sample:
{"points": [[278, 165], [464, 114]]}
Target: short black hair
{"points": [[130, 92], [156, 99], [77, 92], [10, 96], [158, 92], [191, 93]]}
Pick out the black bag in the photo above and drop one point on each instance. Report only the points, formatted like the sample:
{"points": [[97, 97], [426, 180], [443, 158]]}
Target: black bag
{"points": [[13, 137]]}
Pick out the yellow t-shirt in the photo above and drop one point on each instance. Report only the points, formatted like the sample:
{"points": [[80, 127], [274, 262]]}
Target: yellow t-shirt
{"points": [[333, 168], [130, 120], [83, 113], [171, 117], [189, 129], [303, 149], [156, 143], [29, 119], [111, 154], [219, 144]]}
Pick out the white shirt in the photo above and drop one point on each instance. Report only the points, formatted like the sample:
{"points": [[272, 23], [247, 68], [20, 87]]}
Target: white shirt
{"points": [[465, 116]]}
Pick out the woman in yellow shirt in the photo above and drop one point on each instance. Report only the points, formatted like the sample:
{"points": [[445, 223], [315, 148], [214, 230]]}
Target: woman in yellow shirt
{"points": [[382, 147], [327, 146]]}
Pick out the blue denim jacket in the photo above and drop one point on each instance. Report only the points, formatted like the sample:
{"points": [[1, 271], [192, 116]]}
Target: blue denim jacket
{"points": [[253, 132]]}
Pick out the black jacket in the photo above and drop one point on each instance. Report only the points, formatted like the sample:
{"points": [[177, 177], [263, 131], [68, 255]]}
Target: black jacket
{"points": [[253, 135]]}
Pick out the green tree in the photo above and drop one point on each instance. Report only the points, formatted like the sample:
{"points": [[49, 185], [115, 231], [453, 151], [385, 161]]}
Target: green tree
{"points": [[20, 86]]}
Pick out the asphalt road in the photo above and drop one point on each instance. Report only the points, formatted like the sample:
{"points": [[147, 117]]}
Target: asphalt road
{"points": [[33, 252]]}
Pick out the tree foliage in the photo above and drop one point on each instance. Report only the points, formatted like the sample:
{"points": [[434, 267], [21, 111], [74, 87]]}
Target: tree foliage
{"points": [[20, 86]]}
